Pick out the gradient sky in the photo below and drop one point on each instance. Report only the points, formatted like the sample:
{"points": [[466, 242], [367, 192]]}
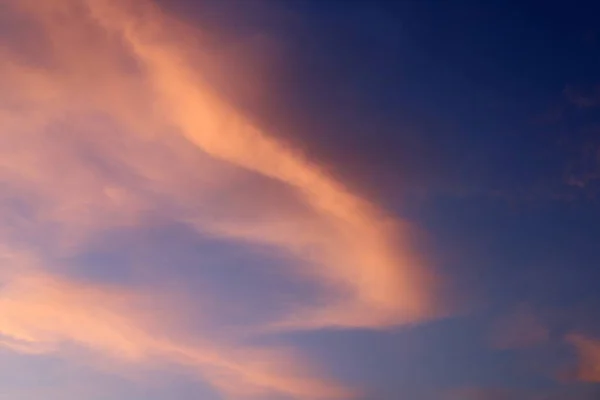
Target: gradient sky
{"points": [[299, 200]]}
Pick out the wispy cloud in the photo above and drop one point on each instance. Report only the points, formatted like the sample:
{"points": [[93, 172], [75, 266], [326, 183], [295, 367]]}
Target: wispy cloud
{"points": [[43, 314], [107, 123], [581, 98], [355, 233], [588, 351]]}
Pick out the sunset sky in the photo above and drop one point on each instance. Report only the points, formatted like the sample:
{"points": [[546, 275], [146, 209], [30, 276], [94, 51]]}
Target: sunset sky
{"points": [[299, 200]]}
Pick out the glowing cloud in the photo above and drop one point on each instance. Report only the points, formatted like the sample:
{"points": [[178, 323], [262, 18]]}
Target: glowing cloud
{"points": [[40, 314], [588, 350], [107, 123], [359, 252]]}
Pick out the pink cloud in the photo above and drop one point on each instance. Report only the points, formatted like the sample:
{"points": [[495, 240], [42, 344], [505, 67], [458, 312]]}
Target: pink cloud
{"points": [[116, 127]]}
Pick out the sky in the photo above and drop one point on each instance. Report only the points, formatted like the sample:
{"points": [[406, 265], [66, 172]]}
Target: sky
{"points": [[299, 200]]}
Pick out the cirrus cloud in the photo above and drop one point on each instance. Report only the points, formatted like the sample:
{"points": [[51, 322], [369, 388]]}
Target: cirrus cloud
{"points": [[113, 126]]}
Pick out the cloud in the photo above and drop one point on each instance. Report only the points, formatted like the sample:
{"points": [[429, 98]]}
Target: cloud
{"points": [[582, 99], [583, 171], [588, 351], [358, 234], [43, 314], [348, 232], [107, 124]]}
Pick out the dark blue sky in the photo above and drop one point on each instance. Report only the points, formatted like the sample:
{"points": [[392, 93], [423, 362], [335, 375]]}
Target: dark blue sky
{"points": [[478, 121]]}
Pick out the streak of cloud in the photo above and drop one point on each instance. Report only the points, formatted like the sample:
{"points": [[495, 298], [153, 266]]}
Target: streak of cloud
{"points": [[389, 288], [107, 123], [41, 314]]}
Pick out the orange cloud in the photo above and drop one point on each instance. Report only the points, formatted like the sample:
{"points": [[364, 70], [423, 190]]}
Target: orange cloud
{"points": [[588, 350], [360, 253], [40, 314], [108, 122]]}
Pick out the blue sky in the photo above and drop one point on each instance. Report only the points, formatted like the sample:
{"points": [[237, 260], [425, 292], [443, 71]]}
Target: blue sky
{"points": [[255, 199]]}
